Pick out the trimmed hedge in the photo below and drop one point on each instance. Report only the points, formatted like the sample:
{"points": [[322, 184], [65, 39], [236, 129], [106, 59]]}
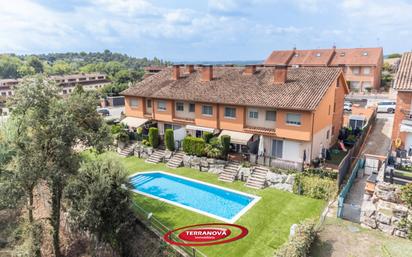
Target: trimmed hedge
{"points": [[169, 140], [194, 146], [225, 139], [315, 187], [207, 136], [299, 244], [154, 137]]}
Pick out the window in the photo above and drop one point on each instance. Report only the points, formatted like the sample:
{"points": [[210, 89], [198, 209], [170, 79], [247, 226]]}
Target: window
{"points": [[253, 114], [207, 110], [342, 54], [366, 70], [366, 85], [355, 70], [230, 112], [149, 103], [180, 107], [327, 134], [318, 55], [277, 148], [293, 119], [133, 102], [271, 115], [365, 53], [161, 105], [191, 107]]}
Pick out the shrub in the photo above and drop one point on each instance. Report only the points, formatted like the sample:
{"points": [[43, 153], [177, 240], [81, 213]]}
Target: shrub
{"points": [[300, 243], [406, 194], [154, 137], [145, 142], [213, 152], [122, 136], [194, 146], [207, 136], [169, 140], [315, 187], [225, 144], [321, 173]]}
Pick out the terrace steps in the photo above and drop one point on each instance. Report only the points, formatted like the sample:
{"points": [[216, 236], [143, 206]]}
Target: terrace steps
{"points": [[257, 178], [156, 157], [127, 151], [229, 172], [176, 160]]}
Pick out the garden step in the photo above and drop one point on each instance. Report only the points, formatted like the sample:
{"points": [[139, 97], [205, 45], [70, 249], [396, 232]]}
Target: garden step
{"points": [[229, 172], [156, 157], [127, 151], [176, 160], [258, 178]]}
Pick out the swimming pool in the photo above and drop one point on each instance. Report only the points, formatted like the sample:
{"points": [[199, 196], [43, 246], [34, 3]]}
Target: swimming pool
{"points": [[210, 200]]}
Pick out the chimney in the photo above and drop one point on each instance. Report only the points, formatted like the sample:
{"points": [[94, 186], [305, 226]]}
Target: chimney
{"points": [[207, 72], [280, 74], [249, 70], [190, 68], [176, 72]]}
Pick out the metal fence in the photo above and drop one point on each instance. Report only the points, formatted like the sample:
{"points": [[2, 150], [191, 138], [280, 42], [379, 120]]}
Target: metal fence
{"points": [[342, 196], [160, 229], [350, 158]]}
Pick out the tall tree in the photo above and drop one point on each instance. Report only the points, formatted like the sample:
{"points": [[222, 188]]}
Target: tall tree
{"points": [[47, 128], [100, 202]]}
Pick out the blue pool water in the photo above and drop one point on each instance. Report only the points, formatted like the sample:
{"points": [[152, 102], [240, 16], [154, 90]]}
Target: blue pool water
{"points": [[205, 198]]}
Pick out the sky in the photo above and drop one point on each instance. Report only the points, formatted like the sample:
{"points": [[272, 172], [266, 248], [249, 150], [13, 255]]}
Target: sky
{"points": [[202, 30]]}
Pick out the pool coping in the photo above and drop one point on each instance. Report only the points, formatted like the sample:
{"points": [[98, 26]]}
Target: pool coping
{"points": [[232, 220]]}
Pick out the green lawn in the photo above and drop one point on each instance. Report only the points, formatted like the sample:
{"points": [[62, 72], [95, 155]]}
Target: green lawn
{"points": [[268, 221]]}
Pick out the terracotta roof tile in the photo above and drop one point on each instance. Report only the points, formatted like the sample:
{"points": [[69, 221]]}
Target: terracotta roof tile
{"points": [[403, 80], [303, 90], [329, 57]]}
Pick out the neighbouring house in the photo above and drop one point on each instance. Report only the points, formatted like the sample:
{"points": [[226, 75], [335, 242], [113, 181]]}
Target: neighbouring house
{"points": [[151, 70], [297, 112], [402, 124], [67, 83], [362, 67]]}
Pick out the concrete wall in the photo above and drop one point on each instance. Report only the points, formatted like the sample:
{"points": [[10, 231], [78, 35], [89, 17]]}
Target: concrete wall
{"points": [[403, 102], [261, 121]]}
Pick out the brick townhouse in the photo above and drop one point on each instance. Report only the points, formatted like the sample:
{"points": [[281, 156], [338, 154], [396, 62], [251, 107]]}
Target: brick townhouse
{"points": [[402, 124], [295, 111], [362, 67], [67, 83]]}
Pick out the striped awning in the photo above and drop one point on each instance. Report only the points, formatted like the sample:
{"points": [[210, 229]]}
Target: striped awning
{"points": [[205, 129]]}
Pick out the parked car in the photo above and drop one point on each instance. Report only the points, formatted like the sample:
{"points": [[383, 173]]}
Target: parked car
{"points": [[387, 106], [103, 112]]}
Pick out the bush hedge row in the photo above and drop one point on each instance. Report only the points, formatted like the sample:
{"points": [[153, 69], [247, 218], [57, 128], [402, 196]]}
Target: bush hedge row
{"points": [[299, 244], [315, 187], [194, 146], [169, 140], [322, 173], [154, 137]]}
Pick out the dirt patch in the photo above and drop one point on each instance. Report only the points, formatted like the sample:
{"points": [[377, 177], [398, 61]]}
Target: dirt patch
{"points": [[339, 238]]}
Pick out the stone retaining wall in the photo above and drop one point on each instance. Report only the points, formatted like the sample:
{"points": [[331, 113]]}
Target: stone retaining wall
{"points": [[204, 164], [384, 211], [280, 181]]}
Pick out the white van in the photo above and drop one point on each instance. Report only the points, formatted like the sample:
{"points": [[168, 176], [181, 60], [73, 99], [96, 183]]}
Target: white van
{"points": [[387, 106]]}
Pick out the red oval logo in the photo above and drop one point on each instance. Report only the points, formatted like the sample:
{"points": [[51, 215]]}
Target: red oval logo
{"points": [[205, 234]]}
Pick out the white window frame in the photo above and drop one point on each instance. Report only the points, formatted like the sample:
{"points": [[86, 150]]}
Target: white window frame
{"points": [[253, 114], [292, 122], [364, 69], [204, 108], [134, 103], [356, 70], [161, 105], [194, 107], [232, 109]]}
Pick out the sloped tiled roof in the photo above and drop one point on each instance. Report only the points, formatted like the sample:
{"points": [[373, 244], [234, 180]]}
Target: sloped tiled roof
{"points": [[403, 80], [329, 57], [304, 89]]}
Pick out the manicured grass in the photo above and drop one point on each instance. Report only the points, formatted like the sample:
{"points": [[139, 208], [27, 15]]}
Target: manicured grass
{"points": [[268, 221]]}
